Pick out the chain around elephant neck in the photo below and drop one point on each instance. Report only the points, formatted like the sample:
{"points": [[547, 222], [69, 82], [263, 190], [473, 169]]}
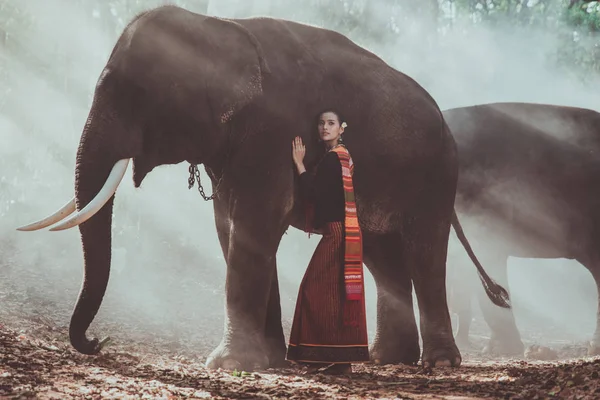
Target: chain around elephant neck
{"points": [[195, 176], [195, 172]]}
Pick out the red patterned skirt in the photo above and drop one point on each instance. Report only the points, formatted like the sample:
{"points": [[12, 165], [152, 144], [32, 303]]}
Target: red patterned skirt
{"points": [[318, 331]]}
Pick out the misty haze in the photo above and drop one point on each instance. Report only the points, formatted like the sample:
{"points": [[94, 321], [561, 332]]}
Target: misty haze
{"points": [[166, 292]]}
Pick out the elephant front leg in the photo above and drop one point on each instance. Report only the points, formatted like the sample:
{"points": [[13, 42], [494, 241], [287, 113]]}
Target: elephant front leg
{"points": [[254, 235], [397, 338]]}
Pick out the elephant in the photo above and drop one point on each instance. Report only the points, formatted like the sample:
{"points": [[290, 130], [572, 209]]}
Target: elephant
{"points": [[528, 176], [230, 94]]}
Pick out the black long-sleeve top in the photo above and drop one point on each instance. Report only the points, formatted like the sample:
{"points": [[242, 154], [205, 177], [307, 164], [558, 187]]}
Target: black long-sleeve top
{"points": [[325, 189]]}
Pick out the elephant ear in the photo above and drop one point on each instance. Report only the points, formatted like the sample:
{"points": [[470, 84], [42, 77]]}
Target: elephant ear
{"points": [[237, 68]]}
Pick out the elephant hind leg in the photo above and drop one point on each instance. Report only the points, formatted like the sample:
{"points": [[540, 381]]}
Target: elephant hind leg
{"points": [[461, 305], [505, 337], [459, 298], [274, 337], [594, 345], [426, 259], [397, 337]]}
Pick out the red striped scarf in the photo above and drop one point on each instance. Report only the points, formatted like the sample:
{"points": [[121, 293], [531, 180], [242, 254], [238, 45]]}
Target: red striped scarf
{"points": [[353, 256]]}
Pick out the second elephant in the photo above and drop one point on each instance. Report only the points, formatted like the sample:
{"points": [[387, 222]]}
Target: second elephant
{"points": [[529, 177]]}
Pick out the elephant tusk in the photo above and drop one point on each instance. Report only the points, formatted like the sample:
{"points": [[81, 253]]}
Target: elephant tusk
{"points": [[64, 212], [109, 188]]}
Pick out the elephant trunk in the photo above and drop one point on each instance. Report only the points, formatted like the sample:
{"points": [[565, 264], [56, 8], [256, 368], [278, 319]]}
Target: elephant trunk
{"points": [[111, 137], [91, 172], [106, 145]]}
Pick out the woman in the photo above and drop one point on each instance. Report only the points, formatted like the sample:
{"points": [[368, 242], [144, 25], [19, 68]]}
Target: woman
{"points": [[330, 329]]}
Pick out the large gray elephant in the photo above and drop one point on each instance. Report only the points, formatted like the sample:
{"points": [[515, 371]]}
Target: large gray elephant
{"points": [[231, 94], [529, 177]]}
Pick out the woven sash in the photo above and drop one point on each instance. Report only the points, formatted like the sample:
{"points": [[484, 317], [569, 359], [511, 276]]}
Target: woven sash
{"points": [[353, 256]]}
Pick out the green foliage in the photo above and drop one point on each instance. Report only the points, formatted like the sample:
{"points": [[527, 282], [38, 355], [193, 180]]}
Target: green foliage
{"points": [[585, 16], [240, 374], [576, 25], [579, 52]]}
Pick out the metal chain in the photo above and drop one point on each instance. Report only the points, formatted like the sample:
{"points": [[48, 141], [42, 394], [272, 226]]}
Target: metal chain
{"points": [[195, 173], [195, 176]]}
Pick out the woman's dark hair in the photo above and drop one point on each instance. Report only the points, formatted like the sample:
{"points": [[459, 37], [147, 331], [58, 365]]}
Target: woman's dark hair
{"points": [[331, 110]]}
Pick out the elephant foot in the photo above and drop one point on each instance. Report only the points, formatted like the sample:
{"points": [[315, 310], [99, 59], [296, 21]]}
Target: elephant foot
{"points": [[242, 356], [441, 354], [276, 352], [593, 349], [398, 351], [505, 347]]}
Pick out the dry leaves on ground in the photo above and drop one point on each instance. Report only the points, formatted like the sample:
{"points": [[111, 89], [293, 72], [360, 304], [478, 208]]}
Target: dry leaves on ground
{"points": [[38, 362]]}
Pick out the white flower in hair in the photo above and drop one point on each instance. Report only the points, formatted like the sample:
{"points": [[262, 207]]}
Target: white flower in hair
{"points": [[344, 125]]}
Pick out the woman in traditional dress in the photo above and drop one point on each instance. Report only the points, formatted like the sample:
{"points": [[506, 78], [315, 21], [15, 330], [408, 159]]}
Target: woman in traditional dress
{"points": [[329, 330]]}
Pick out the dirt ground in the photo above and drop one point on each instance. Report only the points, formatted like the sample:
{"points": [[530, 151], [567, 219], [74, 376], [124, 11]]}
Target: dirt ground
{"points": [[165, 359], [36, 361]]}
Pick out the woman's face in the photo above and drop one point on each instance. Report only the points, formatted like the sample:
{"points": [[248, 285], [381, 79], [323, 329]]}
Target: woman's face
{"points": [[330, 129]]}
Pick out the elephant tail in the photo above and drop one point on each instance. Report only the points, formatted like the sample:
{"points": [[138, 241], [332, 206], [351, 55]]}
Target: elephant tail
{"points": [[497, 294]]}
